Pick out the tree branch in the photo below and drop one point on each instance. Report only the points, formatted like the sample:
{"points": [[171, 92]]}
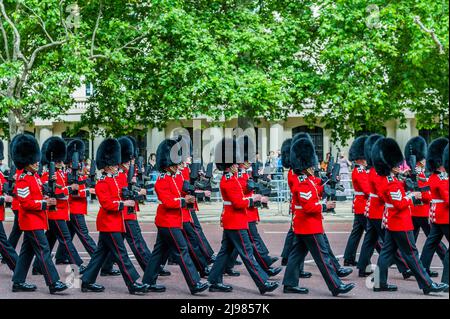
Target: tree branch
{"points": [[17, 52], [42, 48], [40, 21], [5, 39], [63, 23], [97, 22], [430, 32]]}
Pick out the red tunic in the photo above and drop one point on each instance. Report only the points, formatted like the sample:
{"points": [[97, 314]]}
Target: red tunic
{"points": [[252, 212], [422, 210], [439, 203], [180, 177], [375, 205], [62, 203], [235, 203], [110, 216], [32, 207], [78, 203], [15, 202], [122, 179], [168, 213], [2, 205], [360, 180]]}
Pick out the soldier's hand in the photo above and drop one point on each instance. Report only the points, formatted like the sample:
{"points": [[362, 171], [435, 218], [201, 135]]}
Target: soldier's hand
{"points": [[256, 197], [92, 190], [8, 199], [417, 195], [143, 192], [189, 199], [51, 201], [129, 203], [331, 205], [74, 187]]}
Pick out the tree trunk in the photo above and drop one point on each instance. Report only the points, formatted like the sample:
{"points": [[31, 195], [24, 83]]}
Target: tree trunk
{"points": [[12, 124]]}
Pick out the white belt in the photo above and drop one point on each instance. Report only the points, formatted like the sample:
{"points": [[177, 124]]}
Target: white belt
{"points": [[227, 203], [373, 195], [435, 201], [389, 206], [159, 202], [298, 207], [359, 193]]}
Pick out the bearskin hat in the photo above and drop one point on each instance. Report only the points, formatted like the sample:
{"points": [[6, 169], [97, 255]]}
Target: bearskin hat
{"points": [[225, 153], [415, 146], [44, 160], [246, 149], [25, 151], [386, 154], [368, 144], [56, 149], [303, 155], [445, 158], [135, 146], [168, 153], [356, 151], [435, 152], [75, 145], [126, 149], [286, 153], [2, 157], [301, 135], [108, 153]]}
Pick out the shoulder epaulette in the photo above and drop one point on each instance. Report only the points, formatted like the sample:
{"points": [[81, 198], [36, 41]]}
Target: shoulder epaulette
{"points": [[102, 177], [228, 175], [302, 178], [360, 169], [443, 176], [390, 179]]}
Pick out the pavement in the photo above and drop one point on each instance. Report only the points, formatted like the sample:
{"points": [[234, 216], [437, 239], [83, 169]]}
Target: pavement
{"points": [[273, 229]]}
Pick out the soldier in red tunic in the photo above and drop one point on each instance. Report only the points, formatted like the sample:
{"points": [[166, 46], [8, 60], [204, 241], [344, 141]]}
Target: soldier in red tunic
{"points": [[234, 220], [397, 220], [417, 146], [439, 212], [55, 150], [110, 223], [307, 224], [361, 193], [169, 221], [7, 252], [33, 220]]}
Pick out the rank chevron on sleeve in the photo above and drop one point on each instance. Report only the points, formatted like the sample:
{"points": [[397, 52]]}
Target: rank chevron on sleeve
{"points": [[396, 195], [306, 196], [23, 192]]}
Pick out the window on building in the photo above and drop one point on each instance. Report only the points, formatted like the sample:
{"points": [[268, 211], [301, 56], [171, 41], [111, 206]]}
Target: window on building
{"points": [[316, 135], [82, 135], [89, 89]]}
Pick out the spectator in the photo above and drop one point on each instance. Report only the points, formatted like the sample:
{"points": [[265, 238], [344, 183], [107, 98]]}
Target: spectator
{"points": [[344, 175]]}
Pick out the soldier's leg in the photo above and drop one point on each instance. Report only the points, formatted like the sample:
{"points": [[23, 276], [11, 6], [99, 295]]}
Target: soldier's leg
{"points": [[445, 230], [158, 257], [263, 260], [441, 248], [197, 257], [241, 241], [222, 260], [64, 238], [8, 253], [203, 241], [15, 234], [319, 250], [367, 248], [359, 224], [62, 256], [385, 260], [398, 260], [24, 262], [137, 244], [259, 242], [430, 246], [97, 260], [51, 241], [417, 225], [231, 260], [334, 260], [407, 246], [42, 252], [297, 256], [287, 245], [78, 225]]}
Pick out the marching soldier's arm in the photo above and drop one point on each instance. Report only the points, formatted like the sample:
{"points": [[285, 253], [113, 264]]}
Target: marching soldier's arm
{"points": [[395, 197], [25, 198], [104, 197], [443, 192], [236, 196], [167, 198], [308, 201], [363, 182], [426, 195]]}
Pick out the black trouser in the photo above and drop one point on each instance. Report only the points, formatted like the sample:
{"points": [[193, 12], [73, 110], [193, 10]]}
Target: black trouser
{"points": [[77, 225], [239, 240], [111, 243], [334, 260], [137, 243], [288, 242], [35, 243], [431, 245], [374, 239], [193, 245], [6, 250], [359, 226], [403, 241], [16, 232], [423, 222], [259, 249], [203, 241], [171, 241], [58, 231], [316, 245]]}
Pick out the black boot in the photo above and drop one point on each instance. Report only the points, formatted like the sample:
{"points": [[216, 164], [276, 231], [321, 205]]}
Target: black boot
{"points": [[163, 272], [364, 274], [85, 287], [295, 290], [268, 287], [386, 287], [82, 269], [305, 274], [284, 261], [407, 274], [220, 288], [23, 287], [344, 272], [137, 288], [232, 273], [110, 273], [349, 263], [432, 273], [435, 287], [57, 287], [273, 260], [343, 289], [273, 271], [155, 288], [199, 287]]}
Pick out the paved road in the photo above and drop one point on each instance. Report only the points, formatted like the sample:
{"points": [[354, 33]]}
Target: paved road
{"points": [[273, 234]]}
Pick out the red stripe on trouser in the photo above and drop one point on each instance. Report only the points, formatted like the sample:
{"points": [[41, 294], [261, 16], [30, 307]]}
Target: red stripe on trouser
{"points": [[7, 255], [201, 241], [414, 257], [120, 258], [83, 237], [323, 261], [181, 257], [134, 243], [65, 244], [192, 249], [248, 258], [256, 249], [42, 258]]}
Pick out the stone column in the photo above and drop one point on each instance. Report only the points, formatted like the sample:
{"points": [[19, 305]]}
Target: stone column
{"points": [[402, 135], [157, 136], [276, 136], [44, 133]]}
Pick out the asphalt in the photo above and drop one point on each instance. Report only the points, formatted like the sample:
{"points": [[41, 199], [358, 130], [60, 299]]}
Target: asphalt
{"points": [[273, 229]]}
